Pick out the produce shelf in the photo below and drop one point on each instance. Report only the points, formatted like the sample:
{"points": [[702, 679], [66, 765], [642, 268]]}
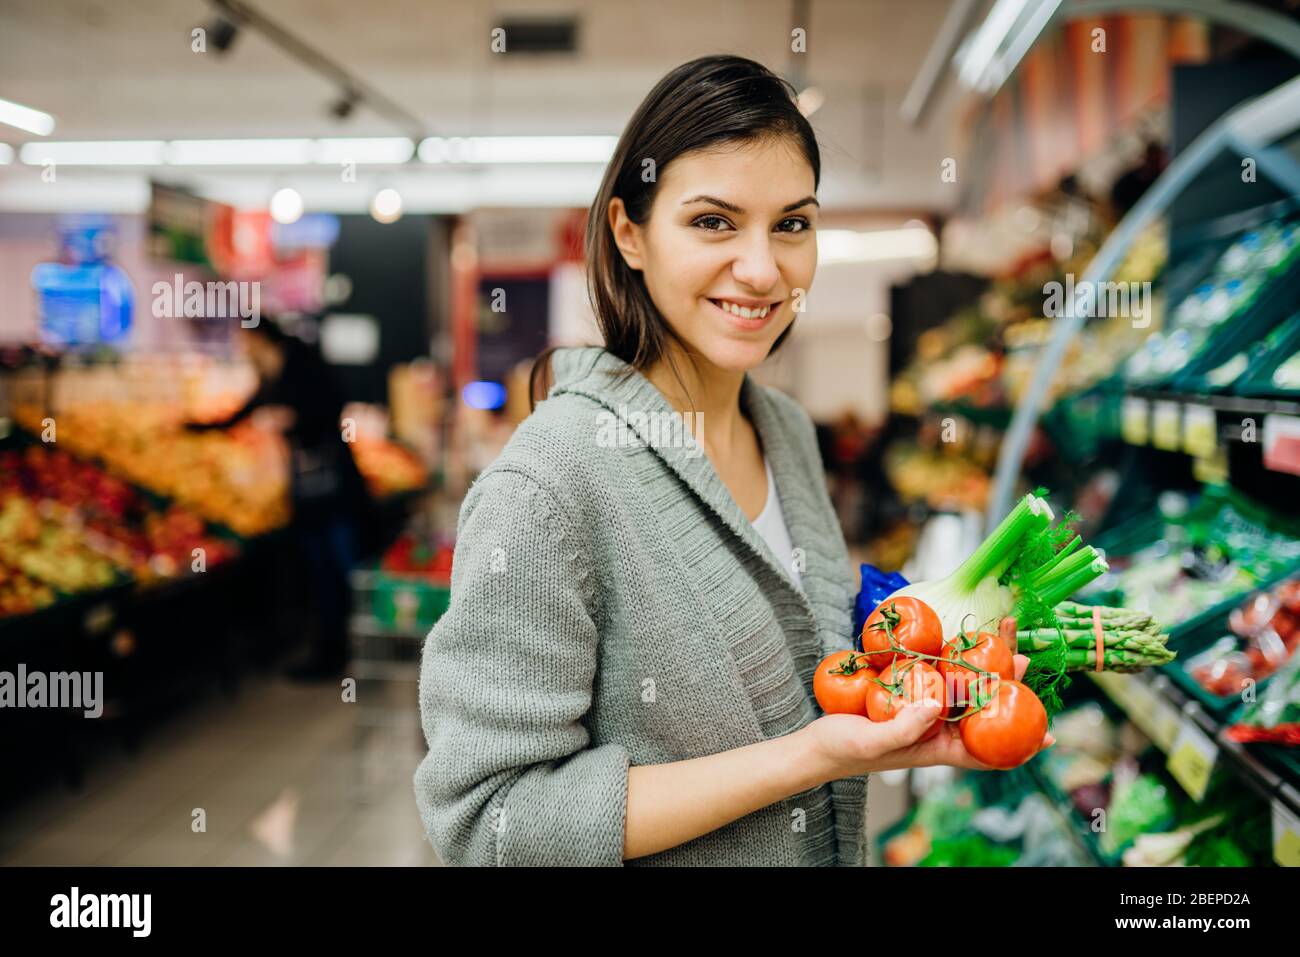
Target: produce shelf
{"points": [[1172, 720]]}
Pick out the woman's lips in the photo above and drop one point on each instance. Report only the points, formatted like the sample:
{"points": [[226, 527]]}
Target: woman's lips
{"points": [[745, 317]]}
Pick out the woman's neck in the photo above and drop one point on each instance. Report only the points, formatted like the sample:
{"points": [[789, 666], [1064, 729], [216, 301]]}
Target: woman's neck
{"points": [[712, 393]]}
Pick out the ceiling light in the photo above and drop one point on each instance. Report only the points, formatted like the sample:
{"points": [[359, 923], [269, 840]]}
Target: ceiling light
{"points": [[286, 206], [98, 153], [995, 49], [6, 154], [342, 108], [518, 149], [222, 33], [373, 150], [386, 206], [25, 118], [288, 152]]}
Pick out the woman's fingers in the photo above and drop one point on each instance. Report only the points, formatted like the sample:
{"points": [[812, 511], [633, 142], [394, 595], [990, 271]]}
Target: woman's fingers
{"points": [[907, 726], [1022, 664]]}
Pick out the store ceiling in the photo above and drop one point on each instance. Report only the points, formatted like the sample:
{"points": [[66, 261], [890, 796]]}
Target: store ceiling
{"points": [[114, 70]]}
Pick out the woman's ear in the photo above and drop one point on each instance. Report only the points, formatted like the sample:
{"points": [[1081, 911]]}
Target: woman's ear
{"points": [[627, 234]]}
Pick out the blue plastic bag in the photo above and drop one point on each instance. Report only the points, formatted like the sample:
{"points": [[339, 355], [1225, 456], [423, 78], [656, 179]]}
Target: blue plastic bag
{"points": [[876, 587]]}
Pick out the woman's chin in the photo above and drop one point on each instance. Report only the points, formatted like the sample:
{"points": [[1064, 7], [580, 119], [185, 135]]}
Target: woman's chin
{"points": [[737, 355]]}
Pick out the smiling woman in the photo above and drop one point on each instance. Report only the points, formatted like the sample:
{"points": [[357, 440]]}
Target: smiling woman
{"points": [[625, 672]]}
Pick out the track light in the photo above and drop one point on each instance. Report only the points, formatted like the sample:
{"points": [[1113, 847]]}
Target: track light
{"points": [[342, 108], [221, 34]]}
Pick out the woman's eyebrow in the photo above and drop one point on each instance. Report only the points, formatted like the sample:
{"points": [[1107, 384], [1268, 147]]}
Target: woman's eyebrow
{"points": [[721, 203], [806, 201], [733, 208]]}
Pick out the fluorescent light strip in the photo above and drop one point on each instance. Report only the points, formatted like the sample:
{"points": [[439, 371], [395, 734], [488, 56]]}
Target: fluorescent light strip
{"points": [[975, 56], [25, 118], [297, 152], [104, 153], [1019, 43], [6, 154], [484, 150], [517, 149], [377, 150]]}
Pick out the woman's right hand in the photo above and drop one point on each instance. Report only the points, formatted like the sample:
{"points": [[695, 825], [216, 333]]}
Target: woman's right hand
{"points": [[846, 745]]}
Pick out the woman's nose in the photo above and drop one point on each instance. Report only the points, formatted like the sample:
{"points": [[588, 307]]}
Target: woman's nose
{"points": [[756, 267]]}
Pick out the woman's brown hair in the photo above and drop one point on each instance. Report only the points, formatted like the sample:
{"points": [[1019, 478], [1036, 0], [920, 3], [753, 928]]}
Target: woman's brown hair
{"points": [[705, 103]]}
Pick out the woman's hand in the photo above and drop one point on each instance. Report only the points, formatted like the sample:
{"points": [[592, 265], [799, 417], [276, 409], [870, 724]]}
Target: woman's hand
{"points": [[846, 745]]}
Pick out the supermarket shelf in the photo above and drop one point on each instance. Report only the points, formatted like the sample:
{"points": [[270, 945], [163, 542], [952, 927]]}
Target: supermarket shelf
{"points": [[1221, 403], [1075, 825], [1172, 720]]}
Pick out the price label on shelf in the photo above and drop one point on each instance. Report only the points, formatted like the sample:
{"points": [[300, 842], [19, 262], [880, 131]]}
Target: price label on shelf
{"points": [[1200, 431], [1166, 425], [1166, 723], [1192, 758], [1134, 421], [1286, 835], [1281, 439]]}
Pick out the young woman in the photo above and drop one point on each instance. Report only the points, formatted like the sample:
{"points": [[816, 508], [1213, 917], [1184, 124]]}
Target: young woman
{"points": [[647, 577]]}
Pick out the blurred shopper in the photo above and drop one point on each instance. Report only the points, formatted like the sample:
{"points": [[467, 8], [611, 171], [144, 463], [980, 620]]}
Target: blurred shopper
{"points": [[625, 670], [299, 396], [1130, 186]]}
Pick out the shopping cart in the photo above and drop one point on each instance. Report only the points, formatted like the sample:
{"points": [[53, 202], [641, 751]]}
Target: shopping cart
{"points": [[393, 615]]}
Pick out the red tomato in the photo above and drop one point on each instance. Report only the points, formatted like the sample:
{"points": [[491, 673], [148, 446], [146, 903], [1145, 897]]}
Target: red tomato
{"points": [[1008, 730], [914, 626], [841, 681], [984, 651], [906, 680]]}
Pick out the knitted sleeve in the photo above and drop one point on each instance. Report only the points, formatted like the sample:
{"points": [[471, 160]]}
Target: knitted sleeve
{"points": [[506, 678]]}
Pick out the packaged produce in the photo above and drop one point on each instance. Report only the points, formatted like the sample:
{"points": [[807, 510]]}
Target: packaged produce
{"points": [[1208, 320], [1140, 804], [1197, 558], [1274, 717]]}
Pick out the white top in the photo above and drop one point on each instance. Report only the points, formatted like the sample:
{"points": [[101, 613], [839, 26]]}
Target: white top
{"points": [[771, 525]]}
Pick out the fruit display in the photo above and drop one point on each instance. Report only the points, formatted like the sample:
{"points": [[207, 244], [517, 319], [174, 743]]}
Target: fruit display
{"points": [[939, 477], [1102, 765], [412, 555], [53, 554], [20, 594], [977, 821], [388, 467], [1262, 635], [1236, 281], [236, 477], [1190, 558], [1274, 717], [57, 506]]}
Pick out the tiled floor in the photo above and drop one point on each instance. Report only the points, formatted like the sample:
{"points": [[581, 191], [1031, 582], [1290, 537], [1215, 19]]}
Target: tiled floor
{"points": [[282, 775]]}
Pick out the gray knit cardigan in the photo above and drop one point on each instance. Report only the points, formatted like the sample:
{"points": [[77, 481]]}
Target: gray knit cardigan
{"points": [[612, 606]]}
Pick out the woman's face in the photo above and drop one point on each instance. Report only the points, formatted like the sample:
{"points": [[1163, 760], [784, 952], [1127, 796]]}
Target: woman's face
{"points": [[729, 249]]}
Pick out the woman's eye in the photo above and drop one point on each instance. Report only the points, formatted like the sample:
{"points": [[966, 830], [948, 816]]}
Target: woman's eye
{"points": [[712, 223], [795, 224]]}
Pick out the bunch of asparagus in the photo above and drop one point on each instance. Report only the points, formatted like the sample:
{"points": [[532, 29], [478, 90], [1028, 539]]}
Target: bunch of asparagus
{"points": [[1132, 640]]}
